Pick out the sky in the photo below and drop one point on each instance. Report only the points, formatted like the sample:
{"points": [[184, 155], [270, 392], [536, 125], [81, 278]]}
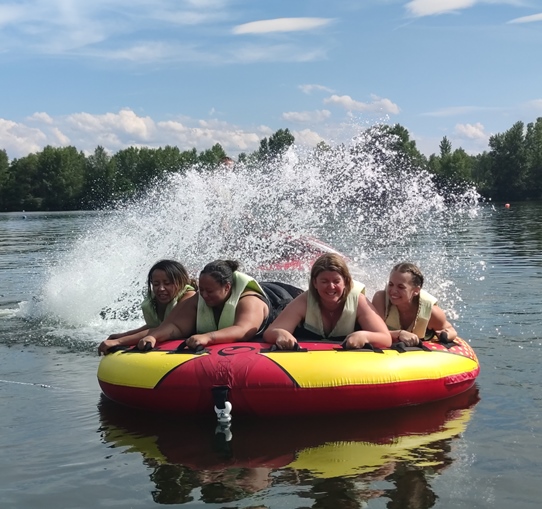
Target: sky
{"points": [[193, 73]]}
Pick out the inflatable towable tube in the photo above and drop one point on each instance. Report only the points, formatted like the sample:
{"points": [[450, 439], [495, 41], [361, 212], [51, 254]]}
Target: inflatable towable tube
{"points": [[319, 378]]}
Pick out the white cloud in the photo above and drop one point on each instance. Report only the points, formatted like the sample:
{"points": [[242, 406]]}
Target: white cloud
{"points": [[527, 19], [67, 27], [61, 138], [117, 131], [280, 25], [203, 134], [251, 53], [150, 52], [420, 8], [471, 131], [308, 89], [306, 137], [302, 117], [41, 116], [377, 105], [19, 139], [124, 122], [146, 31]]}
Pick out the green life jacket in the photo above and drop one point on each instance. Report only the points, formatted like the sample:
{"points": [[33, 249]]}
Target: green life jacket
{"points": [[419, 326], [347, 322], [205, 321], [148, 307]]}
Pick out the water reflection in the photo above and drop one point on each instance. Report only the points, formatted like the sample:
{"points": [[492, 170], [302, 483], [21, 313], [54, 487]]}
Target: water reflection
{"points": [[332, 462]]}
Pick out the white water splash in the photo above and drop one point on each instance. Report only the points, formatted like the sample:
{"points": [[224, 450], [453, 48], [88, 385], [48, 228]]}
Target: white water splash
{"points": [[346, 196]]}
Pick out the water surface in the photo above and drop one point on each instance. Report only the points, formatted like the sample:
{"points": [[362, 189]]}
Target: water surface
{"points": [[63, 446]]}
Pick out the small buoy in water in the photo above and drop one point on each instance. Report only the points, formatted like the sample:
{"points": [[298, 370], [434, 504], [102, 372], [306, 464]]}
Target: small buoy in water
{"points": [[507, 206]]}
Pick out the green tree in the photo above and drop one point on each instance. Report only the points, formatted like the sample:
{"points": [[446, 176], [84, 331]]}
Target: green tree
{"points": [[276, 145], [211, 158], [20, 191], [533, 155], [280, 142], [61, 173], [509, 163], [482, 173], [461, 165], [444, 164], [171, 160], [407, 147], [99, 178], [445, 147], [125, 168], [4, 174], [149, 167], [189, 158], [433, 164], [263, 151]]}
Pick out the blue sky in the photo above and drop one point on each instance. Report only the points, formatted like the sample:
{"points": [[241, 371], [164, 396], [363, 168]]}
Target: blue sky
{"points": [[193, 73]]}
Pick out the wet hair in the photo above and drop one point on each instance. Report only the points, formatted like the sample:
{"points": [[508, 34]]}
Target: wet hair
{"points": [[175, 272], [417, 276], [331, 262], [221, 271]]}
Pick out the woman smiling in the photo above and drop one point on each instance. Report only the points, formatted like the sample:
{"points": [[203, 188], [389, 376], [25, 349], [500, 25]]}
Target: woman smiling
{"points": [[334, 308]]}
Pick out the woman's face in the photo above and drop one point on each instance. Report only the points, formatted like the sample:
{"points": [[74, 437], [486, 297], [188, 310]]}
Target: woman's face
{"points": [[330, 286], [163, 288], [212, 292], [400, 288]]}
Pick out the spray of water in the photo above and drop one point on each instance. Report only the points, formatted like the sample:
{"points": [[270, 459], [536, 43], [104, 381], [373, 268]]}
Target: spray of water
{"points": [[360, 199]]}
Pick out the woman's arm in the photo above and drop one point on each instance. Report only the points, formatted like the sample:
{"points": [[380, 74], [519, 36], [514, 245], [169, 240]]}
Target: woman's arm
{"points": [[180, 323], [439, 323], [374, 330], [280, 332], [132, 337], [129, 333], [125, 339], [379, 303], [250, 313]]}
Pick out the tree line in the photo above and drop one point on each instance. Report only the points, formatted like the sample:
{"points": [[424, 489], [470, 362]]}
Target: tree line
{"points": [[63, 178], [510, 170]]}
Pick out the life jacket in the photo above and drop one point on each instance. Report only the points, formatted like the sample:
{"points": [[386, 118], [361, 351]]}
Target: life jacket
{"points": [[205, 321], [425, 304], [148, 306], [347, 322]]}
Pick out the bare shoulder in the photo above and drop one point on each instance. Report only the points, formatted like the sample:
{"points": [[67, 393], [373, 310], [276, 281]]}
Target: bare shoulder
{"points": [[379, 302], [184, 306], [300, 302], [364, 304], [292, 314], [379, 297], [252, 300], [438, 318]]}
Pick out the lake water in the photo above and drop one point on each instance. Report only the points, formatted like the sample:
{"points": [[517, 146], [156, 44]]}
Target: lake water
{"points": [[63, 446]]}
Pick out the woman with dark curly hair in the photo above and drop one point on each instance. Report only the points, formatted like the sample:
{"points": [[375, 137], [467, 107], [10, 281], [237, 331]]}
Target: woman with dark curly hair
{"points": [[168, 283]]}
